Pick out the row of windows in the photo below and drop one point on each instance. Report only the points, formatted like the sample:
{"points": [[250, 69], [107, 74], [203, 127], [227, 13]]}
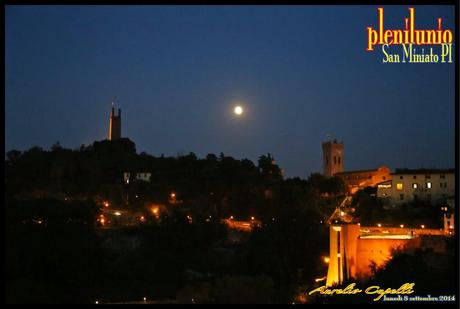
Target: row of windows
{"points": [[442, 176], [415, 185], [428, 185], [428, 196]]}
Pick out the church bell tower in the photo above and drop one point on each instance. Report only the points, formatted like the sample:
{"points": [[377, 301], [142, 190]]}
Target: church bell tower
{"points": [[332, 158]]}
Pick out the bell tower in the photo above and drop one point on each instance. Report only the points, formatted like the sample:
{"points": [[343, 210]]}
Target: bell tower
{"points": [[332, 158], [114, 124]]}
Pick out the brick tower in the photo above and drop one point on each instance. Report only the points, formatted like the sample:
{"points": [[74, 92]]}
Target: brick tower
{"points": [[332, 158], [115, 124]]}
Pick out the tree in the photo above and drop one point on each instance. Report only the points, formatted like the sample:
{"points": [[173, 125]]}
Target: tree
{"points": [[13, 155], [268, 167]]}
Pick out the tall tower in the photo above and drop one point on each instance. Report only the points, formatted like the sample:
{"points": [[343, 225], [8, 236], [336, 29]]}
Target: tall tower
{"points": [[332, 158], [114, 124]]}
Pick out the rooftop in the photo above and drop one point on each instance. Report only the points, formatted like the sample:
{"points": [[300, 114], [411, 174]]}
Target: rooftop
{"points": [[405, 171]]}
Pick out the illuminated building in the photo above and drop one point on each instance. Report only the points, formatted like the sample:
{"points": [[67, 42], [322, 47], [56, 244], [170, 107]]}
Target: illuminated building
{"points": [[332, 158], [333, 165], [144, 176], [356, 180], [114, 124], [353, 248], [407, 185]]}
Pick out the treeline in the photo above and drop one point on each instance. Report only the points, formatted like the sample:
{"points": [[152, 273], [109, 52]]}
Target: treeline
{"points": [[55, 254], [214, 185]]}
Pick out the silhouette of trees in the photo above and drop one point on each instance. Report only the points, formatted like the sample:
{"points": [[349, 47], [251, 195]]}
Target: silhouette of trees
{"points": [[54, 192]]}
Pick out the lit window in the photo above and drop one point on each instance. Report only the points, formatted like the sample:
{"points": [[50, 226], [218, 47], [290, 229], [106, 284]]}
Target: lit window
{"points": [[428, 185], [399, 186], [415, 185]]}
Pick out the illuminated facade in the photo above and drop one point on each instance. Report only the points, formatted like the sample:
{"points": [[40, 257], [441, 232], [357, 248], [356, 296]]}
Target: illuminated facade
{"points": [[114, 125], [356, 180], [333, 165], [353, 249], [332, 158], [435, 185]]}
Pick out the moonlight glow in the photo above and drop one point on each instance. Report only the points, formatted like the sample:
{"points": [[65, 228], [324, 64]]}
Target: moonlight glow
{"points": [[238, 110]]}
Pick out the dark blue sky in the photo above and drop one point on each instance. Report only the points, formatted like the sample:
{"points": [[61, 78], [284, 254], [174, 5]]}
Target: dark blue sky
{"points": [[301, 72]]}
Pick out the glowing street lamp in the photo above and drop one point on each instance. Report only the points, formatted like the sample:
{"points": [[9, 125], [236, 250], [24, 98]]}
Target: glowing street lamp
{"points": [[422, 226], [379, 225], [401, 226], [252, 219], [326, 259]]}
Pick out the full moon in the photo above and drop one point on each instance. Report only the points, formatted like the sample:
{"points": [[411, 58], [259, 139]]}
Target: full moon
{"points": [[238, 110]]}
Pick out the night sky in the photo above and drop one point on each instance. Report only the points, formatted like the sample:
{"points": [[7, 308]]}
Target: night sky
{"points": [[301, 73]]}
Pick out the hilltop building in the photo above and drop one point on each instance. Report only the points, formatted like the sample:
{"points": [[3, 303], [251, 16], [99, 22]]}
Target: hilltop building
{"points": [[406, 185], [333, 166], [332, 158]]}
